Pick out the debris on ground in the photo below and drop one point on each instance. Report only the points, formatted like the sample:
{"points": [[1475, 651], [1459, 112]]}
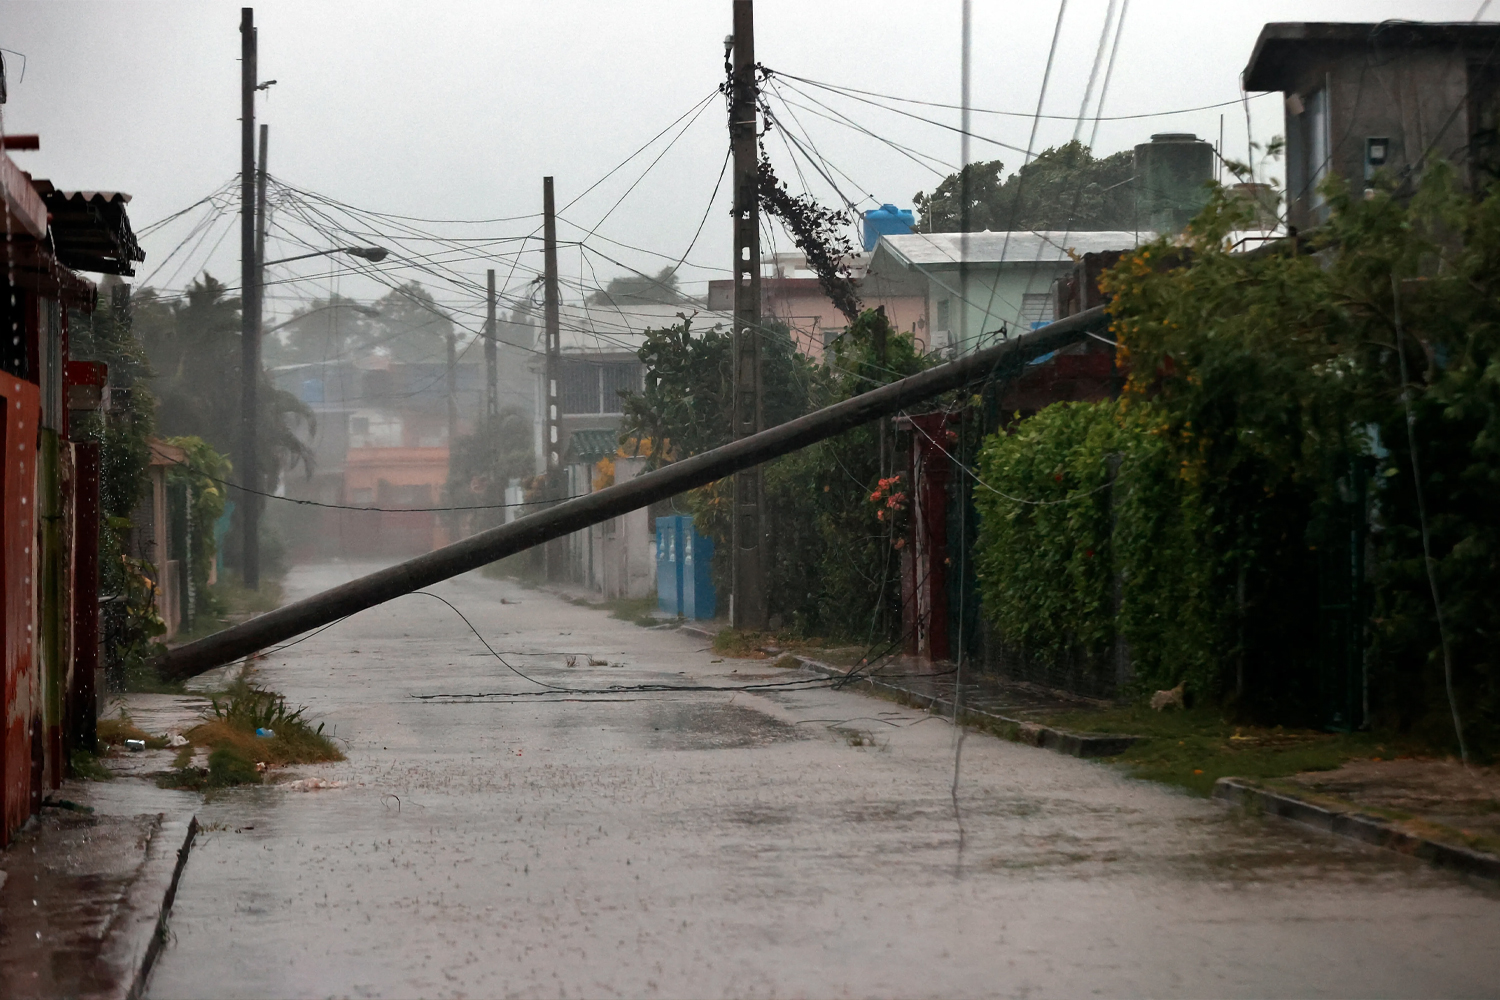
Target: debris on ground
{"points": [[312, 785]]}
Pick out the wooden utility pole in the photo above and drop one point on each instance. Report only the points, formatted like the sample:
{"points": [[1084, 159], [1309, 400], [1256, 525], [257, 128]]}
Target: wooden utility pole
{"points": [[249, 471], [491, 354], [552, 443], [747, 601]]}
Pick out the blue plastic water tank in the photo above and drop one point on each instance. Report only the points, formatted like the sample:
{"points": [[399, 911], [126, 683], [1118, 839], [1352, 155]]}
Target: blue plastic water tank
{"points": [[887, 220]]}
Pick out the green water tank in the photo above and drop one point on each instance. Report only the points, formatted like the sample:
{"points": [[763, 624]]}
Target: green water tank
{"points": [[1170, 173]]}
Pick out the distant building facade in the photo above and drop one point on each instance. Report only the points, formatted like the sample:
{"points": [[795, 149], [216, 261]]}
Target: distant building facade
{"points": [[973, 286], [792, 296]]}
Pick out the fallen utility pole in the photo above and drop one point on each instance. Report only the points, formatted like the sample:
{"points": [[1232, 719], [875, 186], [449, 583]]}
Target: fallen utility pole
{"points": [[581, 512]]}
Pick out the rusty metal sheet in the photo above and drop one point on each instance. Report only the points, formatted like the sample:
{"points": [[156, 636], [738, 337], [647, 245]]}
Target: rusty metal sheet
{"points": [[22, 401]]}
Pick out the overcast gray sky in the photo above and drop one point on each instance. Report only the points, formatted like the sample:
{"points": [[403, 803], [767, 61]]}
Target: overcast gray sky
{"points": [[455, 111]]}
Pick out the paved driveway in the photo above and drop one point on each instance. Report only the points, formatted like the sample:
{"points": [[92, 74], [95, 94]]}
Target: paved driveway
{"points": [[776, 842]]}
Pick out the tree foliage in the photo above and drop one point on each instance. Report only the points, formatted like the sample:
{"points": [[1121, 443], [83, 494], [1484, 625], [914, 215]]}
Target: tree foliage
{"points": [[1259, 387], [832, 550], [406, 323], [685, 404], [1064, 188], [484, 462], [193, 344], [107, 335], [640, 289]]}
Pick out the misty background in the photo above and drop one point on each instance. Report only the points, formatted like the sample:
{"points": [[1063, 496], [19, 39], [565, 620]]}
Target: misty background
{"points": [[455, 111]]}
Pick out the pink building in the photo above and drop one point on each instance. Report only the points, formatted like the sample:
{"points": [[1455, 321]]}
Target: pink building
{"points": [[791, 294]]}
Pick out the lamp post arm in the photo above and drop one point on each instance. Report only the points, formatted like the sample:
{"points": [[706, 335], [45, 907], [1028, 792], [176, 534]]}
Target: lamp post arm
{"points": [[303, 256]]}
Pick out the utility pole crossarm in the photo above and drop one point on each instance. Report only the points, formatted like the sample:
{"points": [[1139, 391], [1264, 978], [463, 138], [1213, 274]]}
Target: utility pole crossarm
{"points": [[478, 550]]}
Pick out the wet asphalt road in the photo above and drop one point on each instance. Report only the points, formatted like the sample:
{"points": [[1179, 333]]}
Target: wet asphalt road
{"points": [[790, 843]]}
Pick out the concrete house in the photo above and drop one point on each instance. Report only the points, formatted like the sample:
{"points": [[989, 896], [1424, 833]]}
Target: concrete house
{"points": [[49, 487], [791, 294], [1362, 99]]}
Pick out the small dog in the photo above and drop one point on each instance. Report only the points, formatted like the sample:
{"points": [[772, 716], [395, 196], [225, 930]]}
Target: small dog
{"points": [[1163, 699]]}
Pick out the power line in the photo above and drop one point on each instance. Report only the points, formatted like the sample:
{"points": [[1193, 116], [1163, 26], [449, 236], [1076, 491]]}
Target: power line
{"points": [[849, 91]]}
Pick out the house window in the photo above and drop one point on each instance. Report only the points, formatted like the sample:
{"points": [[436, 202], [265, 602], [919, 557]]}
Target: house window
{"points": [[579, 386], [944, 311], [359, 425], [614, 380], [1316, 123], [595, 387], [1036, 309]]}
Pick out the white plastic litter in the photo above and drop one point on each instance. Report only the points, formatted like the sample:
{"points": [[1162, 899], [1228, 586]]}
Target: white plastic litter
{"points": [[311, 784]]}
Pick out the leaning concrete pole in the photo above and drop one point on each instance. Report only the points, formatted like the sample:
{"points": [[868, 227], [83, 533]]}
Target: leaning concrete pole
{"points": [[581, 512]]}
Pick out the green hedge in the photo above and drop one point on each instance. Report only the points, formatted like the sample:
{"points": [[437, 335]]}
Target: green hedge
{"points": [[1090, 531]]}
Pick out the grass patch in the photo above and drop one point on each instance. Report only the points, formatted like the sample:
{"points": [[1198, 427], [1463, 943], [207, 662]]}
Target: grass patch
{"points": [[637, 610], [227, 767], [1194, 748], [237, 752], [244, 709], [747, 644], [88, 767], [742, 643]]}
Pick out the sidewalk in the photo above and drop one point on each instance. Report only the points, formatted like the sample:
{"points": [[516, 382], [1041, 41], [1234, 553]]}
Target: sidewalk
{"points": [[86, 887], [1013, 710], [1437, 810]]}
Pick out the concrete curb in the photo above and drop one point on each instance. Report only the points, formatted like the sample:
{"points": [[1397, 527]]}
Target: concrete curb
{"points": [[139, 929], [1369, 829], [1021, 731]]}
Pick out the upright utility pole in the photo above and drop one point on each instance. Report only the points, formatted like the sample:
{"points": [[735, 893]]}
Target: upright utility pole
{"points": [[491, 353], [249, 471], [452, 392], [553, 326], [552, 443], [747, 602]]}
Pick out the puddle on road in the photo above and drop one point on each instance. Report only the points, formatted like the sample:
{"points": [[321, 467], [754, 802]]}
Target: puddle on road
{"points": [[679, 726]]}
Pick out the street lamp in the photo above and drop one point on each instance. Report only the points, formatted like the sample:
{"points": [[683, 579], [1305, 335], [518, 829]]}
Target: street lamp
{"points": [[372, 254]]}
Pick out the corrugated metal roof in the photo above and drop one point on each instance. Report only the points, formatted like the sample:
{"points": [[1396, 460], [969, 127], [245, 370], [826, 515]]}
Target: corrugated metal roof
{"points": [[91, 230], [1021, 247], [593, 444]]}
